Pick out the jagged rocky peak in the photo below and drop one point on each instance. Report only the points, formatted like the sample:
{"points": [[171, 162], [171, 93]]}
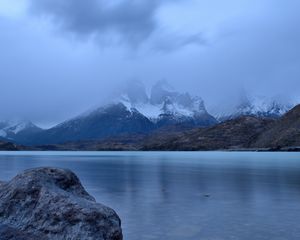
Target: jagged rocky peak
{"points": [[270, 107], [160, 91], [275, 106], [135, 91], [254, 105], [185, 100], [130, 112], [10, 128], [194, 104], [199, 105], [168, 106], [163, 100]]}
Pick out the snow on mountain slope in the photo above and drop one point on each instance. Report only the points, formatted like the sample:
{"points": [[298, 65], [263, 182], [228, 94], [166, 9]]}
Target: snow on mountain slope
{"points": [[108, 121], [131, 112], [14, 128], [165, 102], [3, 133], [271, 107], [254, 106]]}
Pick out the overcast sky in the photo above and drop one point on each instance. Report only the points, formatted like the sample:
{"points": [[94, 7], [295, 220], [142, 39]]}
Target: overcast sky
{"points": [[61, 57]]}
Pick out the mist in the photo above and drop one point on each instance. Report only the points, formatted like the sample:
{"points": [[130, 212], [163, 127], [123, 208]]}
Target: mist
{"points": [[62, 57]]}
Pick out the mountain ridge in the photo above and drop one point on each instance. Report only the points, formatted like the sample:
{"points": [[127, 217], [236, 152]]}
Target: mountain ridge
{"points": [[283, 133], [17, 130], [259, 106], [240, 134], [134, 111], [246, 133]]}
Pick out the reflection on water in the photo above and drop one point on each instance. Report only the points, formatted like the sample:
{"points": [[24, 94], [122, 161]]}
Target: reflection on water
{"points": [[185, 196]]}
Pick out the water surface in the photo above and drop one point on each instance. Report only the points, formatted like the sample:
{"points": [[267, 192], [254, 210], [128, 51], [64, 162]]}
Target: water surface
{"points": [[185, 196]]}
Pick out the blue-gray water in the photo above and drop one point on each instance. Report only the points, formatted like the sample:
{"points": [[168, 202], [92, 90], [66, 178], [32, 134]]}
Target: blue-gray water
{"points": [[163, 195]]}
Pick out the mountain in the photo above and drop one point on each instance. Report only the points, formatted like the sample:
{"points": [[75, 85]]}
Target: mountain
{"points": [[18, 131], [107, 121], [245, 132], [161, 119], [242, 133], [258, 106], [133, 112], [283, 133], [165, 106]]}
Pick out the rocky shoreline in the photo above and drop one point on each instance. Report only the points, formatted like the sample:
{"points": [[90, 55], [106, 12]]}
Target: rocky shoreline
{"points": [[51, 203]]}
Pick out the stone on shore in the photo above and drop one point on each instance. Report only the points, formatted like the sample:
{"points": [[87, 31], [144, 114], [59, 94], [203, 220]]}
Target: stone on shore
{"points": [[51, 203]]}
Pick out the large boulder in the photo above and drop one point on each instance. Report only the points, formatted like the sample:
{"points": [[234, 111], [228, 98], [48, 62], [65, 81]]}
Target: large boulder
{"points": [[51, 203], [10, 233]]}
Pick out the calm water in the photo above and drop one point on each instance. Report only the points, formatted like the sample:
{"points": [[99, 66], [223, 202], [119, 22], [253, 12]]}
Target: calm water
{"points": [[163, 196]]}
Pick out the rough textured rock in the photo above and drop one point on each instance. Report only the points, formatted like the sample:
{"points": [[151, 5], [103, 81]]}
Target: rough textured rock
{"points": [[10, 233], [52, 203]]}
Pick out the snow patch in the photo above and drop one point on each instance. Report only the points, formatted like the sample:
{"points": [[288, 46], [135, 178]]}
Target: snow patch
{"points": [[3, 133], [253, 105], [13, 127]]}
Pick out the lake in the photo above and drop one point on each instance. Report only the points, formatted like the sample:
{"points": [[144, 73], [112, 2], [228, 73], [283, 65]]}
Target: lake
{"points": [[185, 195]]}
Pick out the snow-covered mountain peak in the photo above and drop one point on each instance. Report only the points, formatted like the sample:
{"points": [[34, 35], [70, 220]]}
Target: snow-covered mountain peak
{"points": [[136, 92], [10, 128], [168, 106], [260, 106], [273, 106], [160, 91], [199, 106], [163, 100]]}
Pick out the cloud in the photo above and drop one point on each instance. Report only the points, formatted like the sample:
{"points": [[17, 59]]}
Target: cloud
{"points": [[252, 44], [12, 9], [171, 42], [132, 22]]}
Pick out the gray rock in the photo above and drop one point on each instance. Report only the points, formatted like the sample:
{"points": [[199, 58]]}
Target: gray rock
{"points": [[10, 233], [51, 203]]}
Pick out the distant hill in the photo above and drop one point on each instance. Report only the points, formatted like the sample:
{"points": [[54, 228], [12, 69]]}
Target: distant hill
{"points": [[282, 133], [233, 134], [8, 146]]}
